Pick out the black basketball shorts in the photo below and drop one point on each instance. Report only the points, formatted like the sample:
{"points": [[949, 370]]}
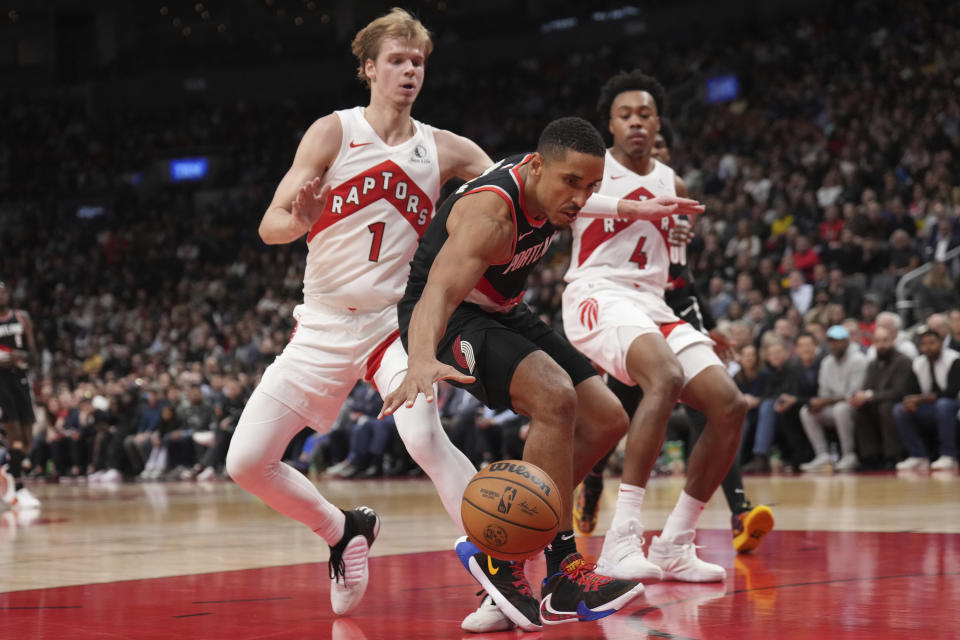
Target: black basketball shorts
{"points": [[489, 346], [16, 401]]}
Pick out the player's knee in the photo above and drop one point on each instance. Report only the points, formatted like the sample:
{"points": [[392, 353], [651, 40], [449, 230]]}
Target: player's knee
{"points": [[558, 405], [667, 385], [242, 466]]}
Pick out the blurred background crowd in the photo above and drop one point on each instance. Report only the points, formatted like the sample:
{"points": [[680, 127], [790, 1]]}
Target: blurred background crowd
{"points": [[830, 172]]}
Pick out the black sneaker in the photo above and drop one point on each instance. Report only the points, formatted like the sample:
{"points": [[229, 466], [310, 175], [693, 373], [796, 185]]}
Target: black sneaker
{"points": [[504, 581], [349, 573], [577, 593], [586, 500]]}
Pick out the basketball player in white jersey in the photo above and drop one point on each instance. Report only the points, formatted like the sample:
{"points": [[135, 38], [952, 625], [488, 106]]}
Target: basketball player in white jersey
{"points": [[361, 189], [614, 311]]}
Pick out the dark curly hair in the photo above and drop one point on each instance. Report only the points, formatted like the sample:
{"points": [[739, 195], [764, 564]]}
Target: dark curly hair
{"points": [[630, 81]]}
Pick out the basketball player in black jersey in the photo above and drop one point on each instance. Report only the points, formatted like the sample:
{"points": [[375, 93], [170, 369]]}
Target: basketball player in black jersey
{"points": [[17, 349], [749, 523], [461, 319]]}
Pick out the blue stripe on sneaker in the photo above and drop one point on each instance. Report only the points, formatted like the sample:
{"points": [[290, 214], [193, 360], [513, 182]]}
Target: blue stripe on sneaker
{"points": [[584, 614], [465, 550]]}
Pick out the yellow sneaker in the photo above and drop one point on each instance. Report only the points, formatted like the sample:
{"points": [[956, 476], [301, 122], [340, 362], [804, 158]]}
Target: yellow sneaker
{"points": [[750, 527]]}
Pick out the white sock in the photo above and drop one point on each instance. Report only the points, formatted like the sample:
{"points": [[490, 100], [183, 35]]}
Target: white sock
{"points": [[629, 502], [683, 518]]}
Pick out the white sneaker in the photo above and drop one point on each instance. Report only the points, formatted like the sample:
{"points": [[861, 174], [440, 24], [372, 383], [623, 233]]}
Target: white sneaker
{"points": [[944, 463], [207, 474], [913, 464], [25, 500], [487, 618], [622, 555], [8, 486], [849, 462], [679, 561], [822, 462], [111, 476]]}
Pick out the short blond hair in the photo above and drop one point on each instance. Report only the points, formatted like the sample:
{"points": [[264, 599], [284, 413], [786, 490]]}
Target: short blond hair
{"points": [[397, 24]]}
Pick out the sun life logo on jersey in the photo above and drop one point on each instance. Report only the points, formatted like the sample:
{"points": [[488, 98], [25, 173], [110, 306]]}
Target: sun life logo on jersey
{"points": [[589, 310], [463, 354], [420, 155]]}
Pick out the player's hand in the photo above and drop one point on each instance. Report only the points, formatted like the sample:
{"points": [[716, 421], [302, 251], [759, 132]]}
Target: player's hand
{"points": [[419, 379], [309, 203], [658, 207], [722, 347]]}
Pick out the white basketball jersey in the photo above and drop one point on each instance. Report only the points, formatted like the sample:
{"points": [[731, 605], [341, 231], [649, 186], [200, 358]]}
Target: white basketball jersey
{"points": [[632, 253], [380, 203]]}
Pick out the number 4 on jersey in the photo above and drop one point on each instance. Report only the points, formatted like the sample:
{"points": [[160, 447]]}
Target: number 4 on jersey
{"points": [[639, 255]]}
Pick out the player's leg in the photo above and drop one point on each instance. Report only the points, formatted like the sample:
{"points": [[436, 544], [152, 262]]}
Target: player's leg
{"points": [[423, 435], [711, 391], [749, 523], [308, 378], [17, 409], [586, 497]]}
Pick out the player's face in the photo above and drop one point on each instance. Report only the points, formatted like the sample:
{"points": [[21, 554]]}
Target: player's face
{"points": [[660, 150], [397, 73], [564, 184], [634, 122]]}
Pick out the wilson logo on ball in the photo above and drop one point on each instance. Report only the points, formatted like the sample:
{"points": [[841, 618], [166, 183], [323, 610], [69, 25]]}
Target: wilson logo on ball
{"points": [[523, 472]]}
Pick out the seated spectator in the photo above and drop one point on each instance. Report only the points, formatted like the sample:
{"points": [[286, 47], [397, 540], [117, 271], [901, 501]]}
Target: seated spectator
{"points": [[841, 374], [805, 257], [744, 242], [936, 292], [156, 465], [370, 438], [868, 318], [943, 238], [952, 340], [903, 256], [719, 299], [884, 385], [196, 419], [790, 383], [819, 311], [751, 379], [930, 403], [891, 322], [139, 444], [227, 409], [801, 293]]}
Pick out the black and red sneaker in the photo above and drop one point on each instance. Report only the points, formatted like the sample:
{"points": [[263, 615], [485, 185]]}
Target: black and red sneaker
{"points": [[576, 593]]}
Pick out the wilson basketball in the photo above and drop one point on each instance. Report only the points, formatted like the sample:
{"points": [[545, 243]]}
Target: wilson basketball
{"points": [[511, 509]]}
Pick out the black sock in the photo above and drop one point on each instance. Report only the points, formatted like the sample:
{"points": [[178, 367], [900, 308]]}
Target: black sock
{"points": [[562, 546], [594, 480], [16, 467], [733, 491]]}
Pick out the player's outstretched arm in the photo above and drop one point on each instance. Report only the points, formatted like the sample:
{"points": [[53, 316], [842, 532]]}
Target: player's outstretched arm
{"points": [[601, 206], [481, 233], [299, 198]]}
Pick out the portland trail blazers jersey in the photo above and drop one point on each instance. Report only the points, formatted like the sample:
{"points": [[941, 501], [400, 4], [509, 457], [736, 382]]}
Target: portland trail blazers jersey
{"points": [[380, 203], [12, 331], [502, 285], [632, 253]]}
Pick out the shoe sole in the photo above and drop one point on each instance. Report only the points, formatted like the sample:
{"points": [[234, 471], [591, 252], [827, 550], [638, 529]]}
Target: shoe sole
{"points": [[757, 524], [365, 578], [585, 613], [505, 606]]}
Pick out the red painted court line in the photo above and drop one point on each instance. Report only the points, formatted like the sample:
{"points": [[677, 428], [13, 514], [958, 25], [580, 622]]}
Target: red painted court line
{"points": [[800, 584]]}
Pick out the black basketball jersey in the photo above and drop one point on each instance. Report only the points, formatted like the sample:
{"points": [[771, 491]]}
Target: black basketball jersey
{"points": [[502, 285], [12, 332]]}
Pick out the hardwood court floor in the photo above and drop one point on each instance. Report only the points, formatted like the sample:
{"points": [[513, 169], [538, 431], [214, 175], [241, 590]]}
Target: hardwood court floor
{"points": [[866, 556]]}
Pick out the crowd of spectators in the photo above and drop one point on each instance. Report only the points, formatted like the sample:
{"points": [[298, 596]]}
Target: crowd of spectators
{"points": [[832, 175]]}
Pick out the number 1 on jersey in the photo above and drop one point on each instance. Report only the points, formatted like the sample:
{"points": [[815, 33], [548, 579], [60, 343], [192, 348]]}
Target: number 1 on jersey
{"points": [[639, 256], [377, 230]]}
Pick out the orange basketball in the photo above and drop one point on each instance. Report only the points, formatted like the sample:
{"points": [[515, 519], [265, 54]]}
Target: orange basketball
{"points": [[511, 510]]}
